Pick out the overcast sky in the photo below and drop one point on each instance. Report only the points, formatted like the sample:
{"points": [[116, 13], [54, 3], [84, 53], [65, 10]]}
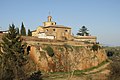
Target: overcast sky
{"points": [[101, 17]]}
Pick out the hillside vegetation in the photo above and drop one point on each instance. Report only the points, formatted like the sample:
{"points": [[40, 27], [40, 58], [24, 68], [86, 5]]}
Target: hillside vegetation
{"points": [[114, 56]]}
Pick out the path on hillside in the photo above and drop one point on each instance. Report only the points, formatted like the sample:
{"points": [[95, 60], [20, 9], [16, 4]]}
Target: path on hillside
{"points": [[101, 68], [99, 73]]}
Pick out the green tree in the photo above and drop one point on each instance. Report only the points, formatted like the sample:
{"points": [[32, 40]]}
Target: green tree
{"points": [[12, 54], [50, 51], [35, 76], [23, 30], [114, 67], [83, 31], [17, 30], [29, 32], [95, 47]]}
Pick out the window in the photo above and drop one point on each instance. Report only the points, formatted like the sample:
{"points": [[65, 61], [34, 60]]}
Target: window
{"points": [[66, 30], [46, 30], [53, 29]]}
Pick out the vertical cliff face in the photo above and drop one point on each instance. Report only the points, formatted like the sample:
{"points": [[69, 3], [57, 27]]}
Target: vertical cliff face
{"points": [[66, 57]]}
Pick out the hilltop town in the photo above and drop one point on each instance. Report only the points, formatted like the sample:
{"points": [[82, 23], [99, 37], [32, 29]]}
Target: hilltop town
{"points": [[50, 30], [59, 40], [57, 34], [53, 48]]}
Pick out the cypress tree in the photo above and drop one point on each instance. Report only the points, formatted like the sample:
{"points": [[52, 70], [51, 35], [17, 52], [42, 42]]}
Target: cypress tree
{"points": [[29, 32], [17, 30], [23, 30]]}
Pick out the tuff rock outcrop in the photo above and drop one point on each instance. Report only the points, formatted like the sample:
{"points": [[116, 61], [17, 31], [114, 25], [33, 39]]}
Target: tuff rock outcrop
{"points": [[66, 57]]}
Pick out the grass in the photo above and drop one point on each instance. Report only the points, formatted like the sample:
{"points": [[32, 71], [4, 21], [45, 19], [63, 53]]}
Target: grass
{"points": [[79, 72]]}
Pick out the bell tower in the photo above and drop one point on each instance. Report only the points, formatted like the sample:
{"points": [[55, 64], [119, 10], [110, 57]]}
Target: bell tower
{"points": [[49, 18], [49, 22]]}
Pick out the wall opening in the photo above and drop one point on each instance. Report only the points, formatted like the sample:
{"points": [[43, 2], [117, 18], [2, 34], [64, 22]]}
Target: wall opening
{"points": [[28, 49]]}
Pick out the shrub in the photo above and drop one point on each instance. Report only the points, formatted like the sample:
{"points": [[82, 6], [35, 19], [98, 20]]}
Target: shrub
{"points": [[110, 53], [49, 51], [95, 47], [69, 47], [115, 68], [35, 76], [60, 49]]}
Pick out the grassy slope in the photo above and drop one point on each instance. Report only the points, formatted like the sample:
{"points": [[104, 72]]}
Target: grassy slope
{"points": [[88, 74]]}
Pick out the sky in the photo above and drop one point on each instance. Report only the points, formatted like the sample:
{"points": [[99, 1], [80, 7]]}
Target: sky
{"points": [[101, 17]]}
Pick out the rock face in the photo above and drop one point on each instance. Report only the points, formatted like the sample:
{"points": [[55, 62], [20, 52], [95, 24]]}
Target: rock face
{"points": [[66, 57]]}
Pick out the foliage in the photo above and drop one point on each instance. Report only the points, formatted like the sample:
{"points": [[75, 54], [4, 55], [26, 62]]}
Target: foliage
{"points": [[17, 29], [29, 32], [68, 47], [111, 51], [78, 72], [23, 30], [113, 54], [83, 31], [50, 51], [35, 76], [12, 54], [115, 68], [64, 75], [95, 47], [61, 49]]}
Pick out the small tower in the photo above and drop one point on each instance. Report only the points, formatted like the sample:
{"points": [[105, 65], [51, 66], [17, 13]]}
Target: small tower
{"points": [[49, 22], [49, 18]]}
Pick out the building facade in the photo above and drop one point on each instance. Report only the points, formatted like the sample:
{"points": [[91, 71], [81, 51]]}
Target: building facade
{"points": [[50, 30], [89, 39]]}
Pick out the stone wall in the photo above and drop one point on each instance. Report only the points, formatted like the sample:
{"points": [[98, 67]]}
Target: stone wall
{"points": [[92, 39]]}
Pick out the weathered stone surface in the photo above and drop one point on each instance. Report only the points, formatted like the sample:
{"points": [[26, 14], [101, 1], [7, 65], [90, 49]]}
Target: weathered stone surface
{"points": [[66, 58]]}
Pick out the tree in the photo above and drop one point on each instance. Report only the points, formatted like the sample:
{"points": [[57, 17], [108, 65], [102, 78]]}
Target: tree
{"points": [[13, 57], [83, 31], [29, 32], [17, 30], [23, 30], [35, 76], [114, 68], [95, 47], [50, 51]]}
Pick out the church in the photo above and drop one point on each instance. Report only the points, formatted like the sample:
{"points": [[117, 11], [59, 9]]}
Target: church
{"points": [[50, 30]]}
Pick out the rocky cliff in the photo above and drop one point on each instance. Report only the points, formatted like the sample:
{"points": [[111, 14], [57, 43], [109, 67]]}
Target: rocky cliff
{"points": [[52, 58]]}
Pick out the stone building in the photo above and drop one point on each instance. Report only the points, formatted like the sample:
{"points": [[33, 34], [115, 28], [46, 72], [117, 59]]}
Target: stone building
{"points": [[87, 39], [50, 30]]}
